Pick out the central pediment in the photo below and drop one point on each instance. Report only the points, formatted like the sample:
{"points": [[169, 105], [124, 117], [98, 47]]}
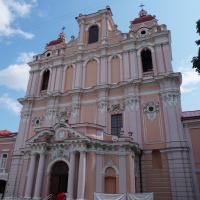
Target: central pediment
{"points": [[58, 133]]}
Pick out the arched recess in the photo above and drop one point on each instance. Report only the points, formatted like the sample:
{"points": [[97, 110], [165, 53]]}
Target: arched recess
{"points": [[58, 177], [115, 69], [91, 71], [110, 181], [69, 78], [93, 34], [45, 79], [146, 58], [2, 188]]}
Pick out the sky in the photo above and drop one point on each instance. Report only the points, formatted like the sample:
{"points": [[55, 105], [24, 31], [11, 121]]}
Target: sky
{"points": [[27, 25]]}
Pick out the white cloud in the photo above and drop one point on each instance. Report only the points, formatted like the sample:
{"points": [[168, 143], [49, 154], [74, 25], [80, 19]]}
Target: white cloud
{"points": [[191, 79], [10, 11], [15, 76], [10, 104]]}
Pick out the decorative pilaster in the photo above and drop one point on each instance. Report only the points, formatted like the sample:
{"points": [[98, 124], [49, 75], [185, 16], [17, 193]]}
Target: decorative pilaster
{"points": [[160, 59], [78, 76], [126, 65], [81, 176], [172, 117], [31, 172], [133, 65], [70, 187], [39, 177]]}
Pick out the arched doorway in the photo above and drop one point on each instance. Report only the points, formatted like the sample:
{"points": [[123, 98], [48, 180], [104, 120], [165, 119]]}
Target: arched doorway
{"points": [[59, 178], [110, 181], [2, 188]]}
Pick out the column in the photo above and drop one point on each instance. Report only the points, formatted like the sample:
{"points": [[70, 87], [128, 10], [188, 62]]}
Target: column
{"points": [[78, 75], [139, 61], [167, 57], [70, 187], [104, 29], [155, 69], [133, 65], [39, 177], [28, 91], [160, 59], [126, 65], [103, 71], [58, 79], [81, 35], [31, 171], [81, 176]]}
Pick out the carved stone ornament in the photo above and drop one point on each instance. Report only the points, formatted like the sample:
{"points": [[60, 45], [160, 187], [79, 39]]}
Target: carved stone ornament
{"points": [[151, 108], [171, 98], [131, 103], [75, 109], [116, 107], [50, 112], [25, 114], [37, 122], [60, 152], [102, 106], [64, 115], [61, 135]]}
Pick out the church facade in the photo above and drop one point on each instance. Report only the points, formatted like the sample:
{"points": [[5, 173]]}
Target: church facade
{"points": [[102, 114]]}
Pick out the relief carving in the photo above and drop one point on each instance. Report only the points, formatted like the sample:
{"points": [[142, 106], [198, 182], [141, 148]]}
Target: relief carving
{"points": [[151, 108]]}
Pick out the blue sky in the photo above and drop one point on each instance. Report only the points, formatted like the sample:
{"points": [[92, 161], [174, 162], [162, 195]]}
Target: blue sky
{"points": [[27, 25]]}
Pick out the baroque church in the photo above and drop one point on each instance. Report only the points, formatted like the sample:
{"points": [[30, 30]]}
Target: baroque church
{"points": [[102, 118]]}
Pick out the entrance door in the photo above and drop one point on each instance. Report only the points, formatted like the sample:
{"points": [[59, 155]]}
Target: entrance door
{"points": [[110, 185], [2, 188], [59, 178]]}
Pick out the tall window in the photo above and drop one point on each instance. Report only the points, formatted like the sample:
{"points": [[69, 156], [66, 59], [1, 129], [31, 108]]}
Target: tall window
{"points": [[116, 124], [93, 34], [147, 64], [3, 161], [156, 159], [45, 79]]}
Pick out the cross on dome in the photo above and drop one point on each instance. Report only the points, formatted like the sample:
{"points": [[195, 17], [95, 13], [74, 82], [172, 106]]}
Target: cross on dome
{"points": [[142, 11]]}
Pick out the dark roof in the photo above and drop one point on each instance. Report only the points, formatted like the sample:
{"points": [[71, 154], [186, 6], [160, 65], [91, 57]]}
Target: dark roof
{"points": [[187, 115], [142, 19]]}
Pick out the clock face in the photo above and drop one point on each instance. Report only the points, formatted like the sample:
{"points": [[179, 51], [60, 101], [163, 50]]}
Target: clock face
{"points": [[61, 134]]}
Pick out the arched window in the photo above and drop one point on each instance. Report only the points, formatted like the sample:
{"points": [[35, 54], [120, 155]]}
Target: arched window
{"points": [[45, 79], [156, 159], [110, 181], [93, 34], [146, 57]]}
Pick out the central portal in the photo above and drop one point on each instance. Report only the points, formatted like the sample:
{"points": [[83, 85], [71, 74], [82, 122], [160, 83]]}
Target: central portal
{"points": [[59, 178]]}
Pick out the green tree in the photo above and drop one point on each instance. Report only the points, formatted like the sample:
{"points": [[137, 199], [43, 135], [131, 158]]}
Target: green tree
{"points": [[196, 60]]}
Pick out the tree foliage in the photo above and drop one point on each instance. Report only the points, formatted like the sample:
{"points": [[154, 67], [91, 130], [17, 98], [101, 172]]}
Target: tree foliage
{"points": [[196, 60]]}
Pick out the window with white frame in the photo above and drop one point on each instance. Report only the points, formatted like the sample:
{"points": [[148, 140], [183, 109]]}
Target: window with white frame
{"points": [[3, 160]]}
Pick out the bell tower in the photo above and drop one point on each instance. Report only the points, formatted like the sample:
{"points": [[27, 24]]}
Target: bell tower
{"points": [[94, 28]]}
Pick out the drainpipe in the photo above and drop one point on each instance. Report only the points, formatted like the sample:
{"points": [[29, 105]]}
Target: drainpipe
{"points": [[140, 169]]}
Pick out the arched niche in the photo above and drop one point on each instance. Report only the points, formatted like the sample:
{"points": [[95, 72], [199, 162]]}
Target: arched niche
{"points": [[69, 78], [115, 69], [91, 70]]}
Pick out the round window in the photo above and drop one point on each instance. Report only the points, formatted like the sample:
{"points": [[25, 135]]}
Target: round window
{"points": [[151, 109], [143, 32], [48, 54]]}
